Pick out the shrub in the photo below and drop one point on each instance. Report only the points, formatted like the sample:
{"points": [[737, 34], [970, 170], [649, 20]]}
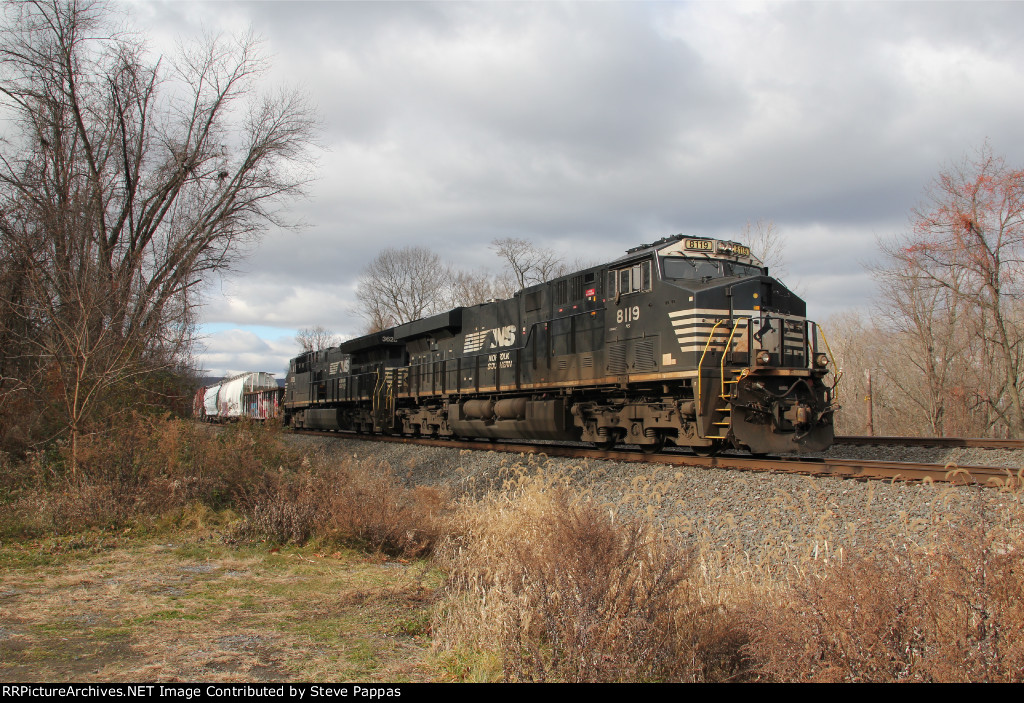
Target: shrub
{"points": [[140, 468], [347, 501], [566, 591], [946, 614]]}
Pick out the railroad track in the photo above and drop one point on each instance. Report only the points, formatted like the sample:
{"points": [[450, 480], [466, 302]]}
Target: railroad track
{"points": [[973, 442], [841, 468]]}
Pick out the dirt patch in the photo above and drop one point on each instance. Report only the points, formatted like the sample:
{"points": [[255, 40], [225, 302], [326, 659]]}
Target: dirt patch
{"points": [[195, 609]]}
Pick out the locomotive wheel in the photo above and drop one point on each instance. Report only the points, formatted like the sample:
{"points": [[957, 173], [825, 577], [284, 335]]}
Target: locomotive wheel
{"points": [[605, 445], [654, 448], [712, 450]]}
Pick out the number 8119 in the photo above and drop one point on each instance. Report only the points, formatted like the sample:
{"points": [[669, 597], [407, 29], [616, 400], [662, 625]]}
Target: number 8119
{"points": [[627, 314]]}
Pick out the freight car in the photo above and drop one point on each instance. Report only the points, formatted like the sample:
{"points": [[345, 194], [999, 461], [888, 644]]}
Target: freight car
{"points": [[254, 394], [686, 341]]}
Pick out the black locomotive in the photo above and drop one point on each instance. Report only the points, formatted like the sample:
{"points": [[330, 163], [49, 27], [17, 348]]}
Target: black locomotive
{"points": [[685, 341]]}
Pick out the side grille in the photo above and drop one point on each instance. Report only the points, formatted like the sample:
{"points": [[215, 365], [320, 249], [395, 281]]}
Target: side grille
{"points": [[643, 355], [617, 359]]}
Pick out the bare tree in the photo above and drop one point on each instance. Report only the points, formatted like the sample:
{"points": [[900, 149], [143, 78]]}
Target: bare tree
{"points": [[767, 243], [947, 341], [528, 263], [475, 287], [968, 239], [849, 334], [316, 338], [130, 181], [930, 323], [402, 285]]}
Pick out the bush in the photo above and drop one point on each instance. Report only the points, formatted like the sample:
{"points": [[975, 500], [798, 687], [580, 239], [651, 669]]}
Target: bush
{"points": [[565, 591], [139, 469], [948, 614], [359, 503]]}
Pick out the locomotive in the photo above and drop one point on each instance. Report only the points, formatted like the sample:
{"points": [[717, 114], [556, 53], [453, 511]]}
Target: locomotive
{"points": [[686, 341]]}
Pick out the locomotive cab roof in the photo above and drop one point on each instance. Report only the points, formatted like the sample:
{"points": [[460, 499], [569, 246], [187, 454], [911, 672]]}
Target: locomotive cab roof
{"points": [[681, 245]]}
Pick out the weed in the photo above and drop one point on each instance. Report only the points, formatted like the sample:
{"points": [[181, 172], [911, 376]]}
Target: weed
{"points": [[947, 613], [565, 590], [351, 502]]}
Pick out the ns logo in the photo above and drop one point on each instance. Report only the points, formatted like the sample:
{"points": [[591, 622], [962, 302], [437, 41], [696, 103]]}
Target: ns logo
{"points": [[489, 339]]}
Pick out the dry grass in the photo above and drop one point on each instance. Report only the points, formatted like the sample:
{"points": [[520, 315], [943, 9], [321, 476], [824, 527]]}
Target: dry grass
{"points": [[158, 468], [563, 590], [545, 581], [947, 613], [347, 501], [548, 584], [186, 607], [137, 471]]}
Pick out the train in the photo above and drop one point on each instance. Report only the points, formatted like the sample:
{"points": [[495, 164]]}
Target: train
{"points": [[687, 341], [253, 394]]}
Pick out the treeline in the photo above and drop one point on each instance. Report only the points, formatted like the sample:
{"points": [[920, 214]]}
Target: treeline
{"points": [[943, 344], [119, 195]]}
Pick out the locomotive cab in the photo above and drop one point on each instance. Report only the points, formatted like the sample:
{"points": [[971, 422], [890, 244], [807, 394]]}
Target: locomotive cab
{"points": [[759, 362]]}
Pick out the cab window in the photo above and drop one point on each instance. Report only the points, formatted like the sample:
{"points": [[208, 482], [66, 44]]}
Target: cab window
{"points": [[633, 279], [682, 268]]}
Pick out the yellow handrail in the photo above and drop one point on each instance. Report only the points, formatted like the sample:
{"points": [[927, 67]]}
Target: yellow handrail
{"points": [[837, 373], [700, 364], [725, 351]]}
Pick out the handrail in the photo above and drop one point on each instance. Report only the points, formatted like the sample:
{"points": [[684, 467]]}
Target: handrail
{"points": [[728, 345], [700, 363], [377, 387], [838, 372]]}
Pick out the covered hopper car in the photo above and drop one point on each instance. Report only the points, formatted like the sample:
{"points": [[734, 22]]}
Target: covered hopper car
{"points": [[254, 394], [687, 341]]}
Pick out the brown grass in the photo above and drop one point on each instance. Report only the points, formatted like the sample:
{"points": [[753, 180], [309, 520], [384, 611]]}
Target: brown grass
{"points": [[547, 583], [564, 590], [138, 471], [346, 501], [153, 468], [185, 606], [951, 613]]}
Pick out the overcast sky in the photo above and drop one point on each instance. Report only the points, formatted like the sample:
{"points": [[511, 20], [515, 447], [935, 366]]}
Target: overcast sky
{"points": [[593, 127]]}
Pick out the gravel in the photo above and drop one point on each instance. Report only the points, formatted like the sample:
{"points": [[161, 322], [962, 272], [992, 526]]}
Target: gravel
{"points": [[761, 517], [956, 456]]}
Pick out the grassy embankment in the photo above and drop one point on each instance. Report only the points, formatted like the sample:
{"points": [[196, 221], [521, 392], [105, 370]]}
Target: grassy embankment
{"points": [[178, 553]]}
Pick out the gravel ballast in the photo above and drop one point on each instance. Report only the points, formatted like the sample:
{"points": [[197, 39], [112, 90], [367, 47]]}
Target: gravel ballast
{"points": [[761, 517]]}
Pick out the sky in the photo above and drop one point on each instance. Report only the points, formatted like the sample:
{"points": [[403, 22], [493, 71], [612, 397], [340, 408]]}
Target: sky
{"points": [[593, 127]]}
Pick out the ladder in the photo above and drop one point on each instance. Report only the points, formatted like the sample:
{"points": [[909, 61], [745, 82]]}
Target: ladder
{"points": [[722, 414]]}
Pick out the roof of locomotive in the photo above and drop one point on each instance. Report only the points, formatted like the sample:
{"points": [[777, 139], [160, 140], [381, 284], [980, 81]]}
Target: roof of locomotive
{"points": [[682, 245], [450, 322]]}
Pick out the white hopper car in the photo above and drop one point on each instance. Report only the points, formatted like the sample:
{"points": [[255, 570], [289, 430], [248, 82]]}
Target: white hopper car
{"points": [[253, 394]]}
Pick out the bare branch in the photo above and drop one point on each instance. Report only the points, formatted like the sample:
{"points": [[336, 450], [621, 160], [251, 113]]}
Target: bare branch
{"points": [[128, 184]]}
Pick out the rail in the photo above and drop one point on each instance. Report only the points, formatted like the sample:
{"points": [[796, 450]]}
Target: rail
{"points": [[837, 373], [893, 441], [858, 469]]}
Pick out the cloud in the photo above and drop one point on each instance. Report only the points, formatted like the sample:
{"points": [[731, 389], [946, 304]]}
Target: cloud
{"points": [[235, 351], [593, 127]]}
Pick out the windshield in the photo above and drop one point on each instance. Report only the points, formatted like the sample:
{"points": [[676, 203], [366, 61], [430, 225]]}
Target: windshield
{"points": [[678, 267]]}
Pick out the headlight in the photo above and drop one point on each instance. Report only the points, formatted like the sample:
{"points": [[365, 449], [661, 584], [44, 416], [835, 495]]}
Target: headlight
{"points": [[821, 361], [763, 357]]}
